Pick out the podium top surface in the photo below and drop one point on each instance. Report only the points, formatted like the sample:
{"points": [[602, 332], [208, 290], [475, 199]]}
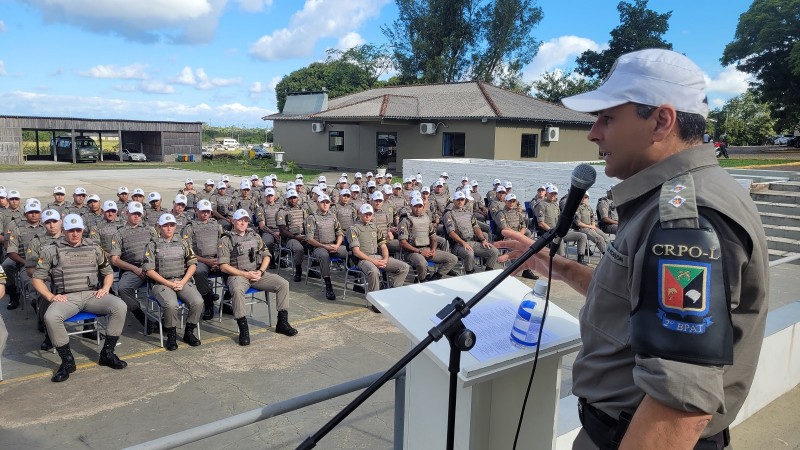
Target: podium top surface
{"points": [[411, 307]]}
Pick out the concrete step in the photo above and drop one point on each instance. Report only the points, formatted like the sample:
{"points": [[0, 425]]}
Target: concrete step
{"points": [[783, 231], [786, 220], [783, 244], [786, 186], [789, 209], [778, 254], [776, 196]]}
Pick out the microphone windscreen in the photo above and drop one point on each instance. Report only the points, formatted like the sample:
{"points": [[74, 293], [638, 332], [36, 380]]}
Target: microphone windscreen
{"points": [[584, 176]]}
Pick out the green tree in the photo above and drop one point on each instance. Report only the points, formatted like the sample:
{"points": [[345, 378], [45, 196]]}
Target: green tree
{"points": [[745, 120], [767, 45], [639, 28], [337, 76], [442, 41], [553, 86], [375, 60]]}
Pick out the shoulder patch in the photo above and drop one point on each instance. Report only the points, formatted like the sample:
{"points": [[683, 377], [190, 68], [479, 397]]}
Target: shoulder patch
{"points": [[677, 200]]}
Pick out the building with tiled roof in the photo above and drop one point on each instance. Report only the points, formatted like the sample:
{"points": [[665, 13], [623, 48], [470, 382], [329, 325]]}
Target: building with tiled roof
{"points": [[383, 126]]}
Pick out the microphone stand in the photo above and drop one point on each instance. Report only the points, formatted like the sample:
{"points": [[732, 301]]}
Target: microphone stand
{"points": [[459, 337]]}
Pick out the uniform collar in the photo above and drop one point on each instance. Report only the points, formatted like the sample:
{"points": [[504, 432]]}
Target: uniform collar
{"points": [[654, 176]]}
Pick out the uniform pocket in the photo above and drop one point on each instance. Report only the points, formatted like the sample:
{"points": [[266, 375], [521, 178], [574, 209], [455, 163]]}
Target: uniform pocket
{"points": [[608, 305]]}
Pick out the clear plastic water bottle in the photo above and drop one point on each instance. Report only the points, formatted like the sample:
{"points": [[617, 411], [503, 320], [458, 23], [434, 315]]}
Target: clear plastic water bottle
{"points": [[525, 332]]}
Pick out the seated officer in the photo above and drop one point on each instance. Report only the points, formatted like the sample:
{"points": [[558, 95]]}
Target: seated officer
{"points": [[325, 235], [170, 263], [547, 213], [72, 265], [513, 218], [607, 213], [19, 236], [586, 221], [244, 257], [204, 232], [291, 222], [368, 244], [418, 240], [466, 236], [51, 221]]}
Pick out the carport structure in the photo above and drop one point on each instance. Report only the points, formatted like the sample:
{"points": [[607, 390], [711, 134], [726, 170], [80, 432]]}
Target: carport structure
{"points": [[158, 140]]}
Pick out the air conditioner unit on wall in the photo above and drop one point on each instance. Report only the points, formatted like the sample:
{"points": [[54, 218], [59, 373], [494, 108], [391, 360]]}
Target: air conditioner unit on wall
{"points": [[427, 128], [317, 127], [550, 134]]}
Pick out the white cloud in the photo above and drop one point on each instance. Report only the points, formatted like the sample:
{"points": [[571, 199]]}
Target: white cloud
{"points": [[156, 87], [36, 104], [2, 67], [729, 81], [132, 72], [2, 26], [256, 90], [254, 5], [273, 83], [717, 102], [186, 77], [200, 79], [349, 40], [558, 53], [318, 19]]}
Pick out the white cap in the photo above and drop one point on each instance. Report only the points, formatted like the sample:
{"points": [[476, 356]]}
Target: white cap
{"points": [[204, 205], [50, 214], [416, 200], [138, 191], [299, 175], [459, 195], [316, 190], [166, 218], [387, 189], [13, 194], [651, 77], [108, 205], [273, 176], [290, 186], [369, 174], [397, 186], [473, 183], [542, 188], [291, 193], [552, 189], [508, 185], [188, 180], [323, 198], [464, 178], [322, 186], [408, 180], [244, 184], [93, 198], [344, 175], [79, 191], [388, 175], [342, 179], [345, 191], [418, 177], [298, 181], [269, 191], [355, 188], [371, 183], [180, 198], [426, 189], [122, 190], [366, 208], [496, 181], [135, 207], [500, 189], [225, 178], [321, 179], [358, 175], [222, 185], [378, 176], [510, 197], [73, 222], [240, 214], [444, 175], [3, 193], [33, 204], [59, 190], [439, 183], [267, 181], [377, 196], [253, 177], [153, 196], [210, 182]]}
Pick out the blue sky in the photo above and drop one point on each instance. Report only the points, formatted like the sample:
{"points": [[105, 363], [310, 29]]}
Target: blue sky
{"points": [[218, 61]]}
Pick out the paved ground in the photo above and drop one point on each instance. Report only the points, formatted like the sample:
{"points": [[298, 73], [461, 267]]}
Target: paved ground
{"points": [[164, 392]]}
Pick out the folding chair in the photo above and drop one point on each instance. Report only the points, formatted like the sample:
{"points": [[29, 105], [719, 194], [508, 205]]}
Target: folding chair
{"points": [[155, 312], [316, 268], [78, 321], [253, 300]]}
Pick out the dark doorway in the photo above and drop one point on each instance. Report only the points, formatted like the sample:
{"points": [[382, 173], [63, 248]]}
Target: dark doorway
{"points": [[385, 147]]}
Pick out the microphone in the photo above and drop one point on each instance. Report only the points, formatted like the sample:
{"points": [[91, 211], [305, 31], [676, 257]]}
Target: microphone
{"points": [[583, 178]]}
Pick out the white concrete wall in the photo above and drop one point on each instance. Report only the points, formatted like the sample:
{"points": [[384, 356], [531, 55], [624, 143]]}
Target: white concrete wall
{"points": [[525, 176]]}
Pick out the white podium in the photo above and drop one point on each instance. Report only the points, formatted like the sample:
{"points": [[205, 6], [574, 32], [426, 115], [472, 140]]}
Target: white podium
{"points": [[490, 393]]}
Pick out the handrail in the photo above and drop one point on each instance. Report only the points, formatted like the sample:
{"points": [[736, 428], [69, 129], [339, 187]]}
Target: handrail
{"points": [[784, 260], [283, 407]]}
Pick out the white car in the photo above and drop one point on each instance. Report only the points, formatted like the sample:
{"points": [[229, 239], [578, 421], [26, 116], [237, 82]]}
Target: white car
{"points": [[128, 155]]}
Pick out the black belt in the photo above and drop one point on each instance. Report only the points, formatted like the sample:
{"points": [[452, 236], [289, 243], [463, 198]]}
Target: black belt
{"points": [[607, 432]]}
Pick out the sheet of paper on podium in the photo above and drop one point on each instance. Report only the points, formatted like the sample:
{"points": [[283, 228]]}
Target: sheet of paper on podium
{"points": [[491, 323]]}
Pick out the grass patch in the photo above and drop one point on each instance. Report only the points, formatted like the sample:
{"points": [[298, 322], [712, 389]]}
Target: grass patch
{"points": [[755, 162], [229, 166]]}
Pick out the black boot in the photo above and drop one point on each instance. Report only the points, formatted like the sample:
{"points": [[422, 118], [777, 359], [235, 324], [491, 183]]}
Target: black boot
{"points": [[435, 276], [582, 260], [89, 325], [142, 318], [13, 298], [208, 307], [298, 272], [188, 335], [47, 344], [244, 331], [67, 364], [40, 325], [528, 273], [329, 294], [283, 326], [107, 356], [172, 339]]}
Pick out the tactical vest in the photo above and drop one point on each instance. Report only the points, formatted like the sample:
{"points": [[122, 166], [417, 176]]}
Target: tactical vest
{"points": [[105, 233], [605, 203], [153, 216], [346, 215], [244, 251], [170, 258], [325, 228], [397, 201], [26, 234], [367, 237], [551, 213], [91, 220], [134, 240], [420, 227], [382, 219], [514, 219], [203, 195], [224, 204], [74, 268], [270, 216], [60, 207], [205, 238], [440, 202], [463, 221], [295, 219], [191, 199], [247, 204]]}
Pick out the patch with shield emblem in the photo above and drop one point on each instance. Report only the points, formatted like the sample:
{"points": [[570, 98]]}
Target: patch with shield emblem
{"points": [[683, 288]]}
